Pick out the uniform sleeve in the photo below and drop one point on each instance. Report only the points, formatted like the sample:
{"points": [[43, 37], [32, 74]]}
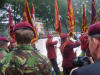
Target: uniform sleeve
{"points": [[52, 42], [76, 44], [4, 64], [74, 73]]}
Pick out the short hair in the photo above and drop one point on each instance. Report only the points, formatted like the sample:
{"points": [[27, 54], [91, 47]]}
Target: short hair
{"points": [[96, 36], [3, 43], [70, 34], [23, 36]]}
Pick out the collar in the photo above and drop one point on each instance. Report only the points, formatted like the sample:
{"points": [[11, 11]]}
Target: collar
{"points": [[23, 47]]}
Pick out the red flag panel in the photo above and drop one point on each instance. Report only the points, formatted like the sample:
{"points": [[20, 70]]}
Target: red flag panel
{"points": [[84, 20], [10, 27], [71, 18], [94, 13], [27, 17], [57, 19]]}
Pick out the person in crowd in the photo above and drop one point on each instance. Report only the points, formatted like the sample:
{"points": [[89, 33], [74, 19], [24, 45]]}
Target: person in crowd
{"points": [[68, 55], [3, 51], [81, 61], [94, 47], [13, 44], [63, 37], [51, 53], [3, 47], [85, 45], [22, 60]]}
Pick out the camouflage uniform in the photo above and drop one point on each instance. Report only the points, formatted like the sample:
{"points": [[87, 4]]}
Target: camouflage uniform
{"points": [[24, 61], [3, 52]]}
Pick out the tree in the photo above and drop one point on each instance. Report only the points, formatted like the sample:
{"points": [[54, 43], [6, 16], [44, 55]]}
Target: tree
{"points": [[44, 10], [2, 2]]}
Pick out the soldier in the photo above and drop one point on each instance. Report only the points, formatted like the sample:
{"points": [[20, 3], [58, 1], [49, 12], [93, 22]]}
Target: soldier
{"points": [[23, 60], [13, 44], [68, 55], [51, 53], [85, 45], [63, 39], [94, 47], [3, 51], [3, 47]]}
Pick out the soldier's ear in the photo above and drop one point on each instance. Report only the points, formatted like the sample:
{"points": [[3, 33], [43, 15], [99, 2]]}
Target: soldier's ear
{"points": [[96, 42]]}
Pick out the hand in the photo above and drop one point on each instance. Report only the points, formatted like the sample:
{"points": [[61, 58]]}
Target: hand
{"points": [[72, 40], [91, 60]]}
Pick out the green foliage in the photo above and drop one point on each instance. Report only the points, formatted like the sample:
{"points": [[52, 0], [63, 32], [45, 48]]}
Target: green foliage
{"points": [[2, 2], [44, 10]]}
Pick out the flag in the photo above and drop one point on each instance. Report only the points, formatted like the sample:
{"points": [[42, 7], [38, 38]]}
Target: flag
{"points": [[27, 17], [33, 16], [93, 13], [84, 20], [10, 27], [33, 13], [57, 19], [71, 18]]}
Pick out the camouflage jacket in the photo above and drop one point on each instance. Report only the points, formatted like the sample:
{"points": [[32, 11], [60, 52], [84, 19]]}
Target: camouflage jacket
{"points": [[22, 60], [3, 53]]}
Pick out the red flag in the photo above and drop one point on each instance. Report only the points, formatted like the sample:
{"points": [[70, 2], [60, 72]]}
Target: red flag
{"points": [[94, 13], [10, 27], [57, 19], [33, 15], [84, 20], [71, 18], [32, 12], [27, 17]]}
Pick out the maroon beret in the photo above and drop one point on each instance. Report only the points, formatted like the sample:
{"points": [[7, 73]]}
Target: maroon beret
{"points": [[23, 25], [63, 35], [50, 36], [4, 39], [94, 29]]}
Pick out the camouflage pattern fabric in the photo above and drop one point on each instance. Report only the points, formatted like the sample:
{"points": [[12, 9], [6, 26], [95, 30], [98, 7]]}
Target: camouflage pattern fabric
{"points": [[3, 53], [24, 61]]}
